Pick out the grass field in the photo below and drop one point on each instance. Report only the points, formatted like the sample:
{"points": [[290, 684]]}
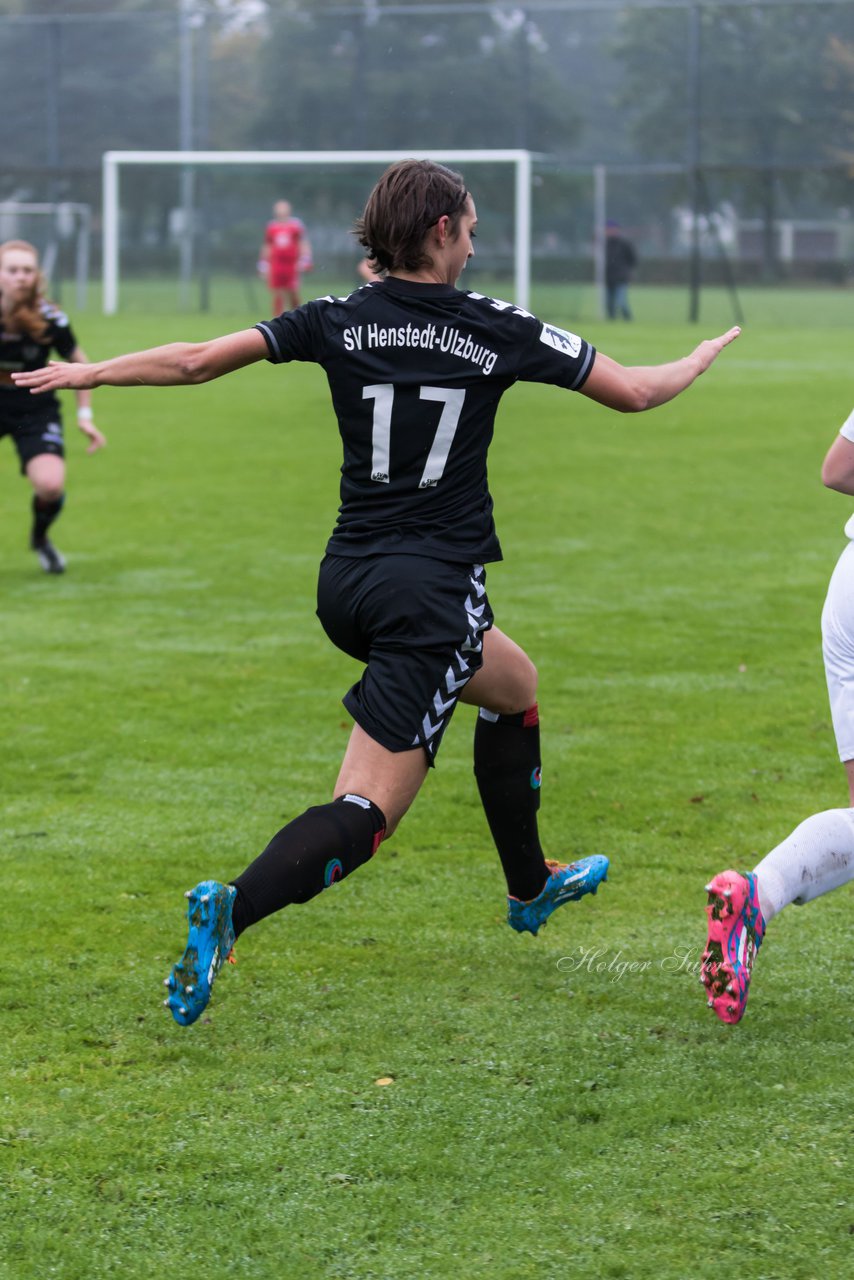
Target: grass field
{"points": [[240, 298], [561, 1107]]}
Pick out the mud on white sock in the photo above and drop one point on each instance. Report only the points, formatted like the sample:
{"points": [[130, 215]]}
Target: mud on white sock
{"points": [[818, 856]]}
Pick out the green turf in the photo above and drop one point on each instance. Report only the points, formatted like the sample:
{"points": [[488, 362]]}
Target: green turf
{"points": [[244, 299], [564, 1106]]}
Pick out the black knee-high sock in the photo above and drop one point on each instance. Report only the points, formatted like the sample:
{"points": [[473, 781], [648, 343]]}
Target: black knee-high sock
{"points": [[507, 768], [44, 514], [321, 846]]}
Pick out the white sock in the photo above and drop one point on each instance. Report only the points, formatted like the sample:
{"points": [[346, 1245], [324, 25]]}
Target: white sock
{"points": [[818, 856]]}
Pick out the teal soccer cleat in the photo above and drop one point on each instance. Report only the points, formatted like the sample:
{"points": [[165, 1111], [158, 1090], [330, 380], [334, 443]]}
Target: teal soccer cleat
{"points": [[566, 883], [209, 945]]}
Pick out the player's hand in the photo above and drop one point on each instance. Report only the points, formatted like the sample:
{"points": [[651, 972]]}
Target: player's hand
{"points": [[57, 375], [707, 352], [96, 438], [306, 264]]}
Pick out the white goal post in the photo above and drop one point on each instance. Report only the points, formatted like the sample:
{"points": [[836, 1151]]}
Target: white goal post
{"points": [[114, 160]]}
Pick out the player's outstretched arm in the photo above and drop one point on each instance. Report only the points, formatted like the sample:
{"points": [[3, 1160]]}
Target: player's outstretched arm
{"points": [[633, 388], [176, 364], [837, 470]]}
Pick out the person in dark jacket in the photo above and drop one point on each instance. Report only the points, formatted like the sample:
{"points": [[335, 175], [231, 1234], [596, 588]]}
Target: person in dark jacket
{"points": [[620, 261]]}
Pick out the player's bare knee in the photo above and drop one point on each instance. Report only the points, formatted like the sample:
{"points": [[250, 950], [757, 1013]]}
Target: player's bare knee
{"points": [[46, 492], [522, 691], [392, 825], [531, 682]]}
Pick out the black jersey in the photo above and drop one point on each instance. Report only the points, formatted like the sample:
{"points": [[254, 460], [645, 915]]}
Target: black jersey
{"points": [[416, 372], [19, 352]]}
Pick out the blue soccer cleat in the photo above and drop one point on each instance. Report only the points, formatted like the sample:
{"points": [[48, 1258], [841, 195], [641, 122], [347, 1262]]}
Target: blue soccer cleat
{"points": [[209, 945], [566, 883]]}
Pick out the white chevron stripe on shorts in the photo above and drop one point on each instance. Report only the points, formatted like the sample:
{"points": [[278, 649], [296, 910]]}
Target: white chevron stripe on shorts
{"points": [[459, 672]]}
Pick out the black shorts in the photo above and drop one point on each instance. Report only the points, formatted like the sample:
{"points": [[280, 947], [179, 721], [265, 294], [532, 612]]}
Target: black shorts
{"points": [[417, 623], [33, 432]]}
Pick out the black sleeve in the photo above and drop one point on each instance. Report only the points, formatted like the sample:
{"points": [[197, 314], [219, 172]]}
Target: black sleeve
{"points": [[295, 335], [62, 338], [554, 355]]}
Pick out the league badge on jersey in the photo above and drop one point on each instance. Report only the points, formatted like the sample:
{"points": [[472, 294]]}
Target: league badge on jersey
{"points": [[561, 339]]}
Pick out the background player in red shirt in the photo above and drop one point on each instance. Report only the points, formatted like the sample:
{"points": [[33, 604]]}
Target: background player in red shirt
{"points": [[30, 327], [416, 369], [285, 254]]}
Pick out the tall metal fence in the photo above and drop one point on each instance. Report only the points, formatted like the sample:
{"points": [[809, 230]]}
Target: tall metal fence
{"points": [[719, 130]]}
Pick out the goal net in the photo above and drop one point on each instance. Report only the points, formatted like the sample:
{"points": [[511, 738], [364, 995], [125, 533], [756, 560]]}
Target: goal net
{"points": [[183, 228]]}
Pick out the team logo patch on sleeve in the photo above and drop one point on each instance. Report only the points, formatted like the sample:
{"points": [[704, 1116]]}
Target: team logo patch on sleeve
{"points": [[561, 340]]}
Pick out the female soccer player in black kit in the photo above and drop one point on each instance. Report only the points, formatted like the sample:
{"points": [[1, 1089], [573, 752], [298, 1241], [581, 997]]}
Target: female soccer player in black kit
{"points": [[31, 328], [416, 369]]}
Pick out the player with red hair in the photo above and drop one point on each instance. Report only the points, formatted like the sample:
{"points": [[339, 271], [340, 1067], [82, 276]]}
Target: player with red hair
{"points": [[30, 328]]}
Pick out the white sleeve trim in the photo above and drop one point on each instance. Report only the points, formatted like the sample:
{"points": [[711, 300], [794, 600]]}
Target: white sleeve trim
{"points": [[847, 428]]}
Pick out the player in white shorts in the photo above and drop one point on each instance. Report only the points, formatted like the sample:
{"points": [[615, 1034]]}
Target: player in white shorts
{"points": [[819, 854]]}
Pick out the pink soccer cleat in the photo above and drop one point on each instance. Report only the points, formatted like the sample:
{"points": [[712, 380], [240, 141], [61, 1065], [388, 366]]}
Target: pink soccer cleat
{"points": [[736, 930]]}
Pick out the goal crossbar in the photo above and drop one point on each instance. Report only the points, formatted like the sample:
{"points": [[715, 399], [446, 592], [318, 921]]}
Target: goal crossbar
{"points": [[114, 160]]}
